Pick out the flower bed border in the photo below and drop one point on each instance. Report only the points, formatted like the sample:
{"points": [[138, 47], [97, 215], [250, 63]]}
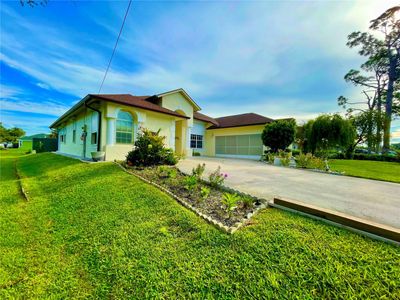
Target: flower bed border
{"points": [[219, 225]]}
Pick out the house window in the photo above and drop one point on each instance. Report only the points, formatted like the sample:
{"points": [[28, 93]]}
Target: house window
{"points": [[61, 138], [93, 138], [196, 141], [124, 128], [74, 136]]}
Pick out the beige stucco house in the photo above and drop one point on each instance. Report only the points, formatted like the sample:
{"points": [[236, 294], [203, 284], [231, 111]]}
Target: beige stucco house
{"points": [[110, 123]]}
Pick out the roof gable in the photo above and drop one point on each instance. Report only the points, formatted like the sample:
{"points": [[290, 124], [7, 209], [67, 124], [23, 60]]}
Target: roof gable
{"points": [[185, 95]]}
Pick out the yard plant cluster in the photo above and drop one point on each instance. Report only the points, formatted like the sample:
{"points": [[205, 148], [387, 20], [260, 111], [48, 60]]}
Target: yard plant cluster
{"points": [[152, 161], [207, 195]]}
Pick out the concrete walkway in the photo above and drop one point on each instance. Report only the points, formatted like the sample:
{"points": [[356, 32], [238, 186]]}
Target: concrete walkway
{"points": [[373, 200]]}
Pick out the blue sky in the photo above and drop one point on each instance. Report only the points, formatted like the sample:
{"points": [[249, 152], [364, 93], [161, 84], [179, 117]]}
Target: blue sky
{"points": [[276, 58]]}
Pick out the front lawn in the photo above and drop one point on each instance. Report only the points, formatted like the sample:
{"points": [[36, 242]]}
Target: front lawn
{"points": [[379, 170], [93, 231]]}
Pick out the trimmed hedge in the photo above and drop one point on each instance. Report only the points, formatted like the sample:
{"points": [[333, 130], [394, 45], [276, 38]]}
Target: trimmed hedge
{"points": [[44, 144], [376, 157], [361, 156]]}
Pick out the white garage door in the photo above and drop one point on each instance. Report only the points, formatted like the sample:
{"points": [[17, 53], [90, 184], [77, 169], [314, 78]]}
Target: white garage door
{"points": [[249, 145]]}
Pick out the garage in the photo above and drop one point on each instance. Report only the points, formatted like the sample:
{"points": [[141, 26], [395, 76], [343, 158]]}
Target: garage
{"points": [[246, 146]]}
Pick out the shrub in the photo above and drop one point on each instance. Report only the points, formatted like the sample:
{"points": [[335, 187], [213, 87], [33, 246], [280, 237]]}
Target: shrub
{"points": [[309, 161], [150, 150], [204, 192], [302, 160], [217, 178], [247, 202], [190, 183], [269, 157], [295, 152], [377, 157], [279, 134], [199, 170], [229, 201], [196, 153], [317, 163], [285, 161]]}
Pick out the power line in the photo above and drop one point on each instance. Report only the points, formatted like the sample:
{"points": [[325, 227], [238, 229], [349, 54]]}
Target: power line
{"points": [[115, 46]]}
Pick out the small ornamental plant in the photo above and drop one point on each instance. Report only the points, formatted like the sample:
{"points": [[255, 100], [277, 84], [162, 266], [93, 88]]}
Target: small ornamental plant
{"points": [[199, 170], [217, 178], [166, 172], [204, 192], [230, 201], [247, 202], [190, 183]]}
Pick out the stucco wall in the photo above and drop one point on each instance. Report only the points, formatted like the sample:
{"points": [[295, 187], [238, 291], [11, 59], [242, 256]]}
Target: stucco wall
{"points": [[177, 102], [211, 134], [142, 118], [88, 118]]}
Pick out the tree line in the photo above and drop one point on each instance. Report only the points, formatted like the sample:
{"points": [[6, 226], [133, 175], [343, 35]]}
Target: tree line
{"points": [[367, 120], [10, 135], [378, 77]]}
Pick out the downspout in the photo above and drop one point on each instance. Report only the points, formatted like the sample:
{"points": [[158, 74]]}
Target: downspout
{"points": [[99, 124]]}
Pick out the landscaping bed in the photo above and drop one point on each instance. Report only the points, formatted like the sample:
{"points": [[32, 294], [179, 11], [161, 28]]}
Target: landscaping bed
{"points": [[224, 205]]}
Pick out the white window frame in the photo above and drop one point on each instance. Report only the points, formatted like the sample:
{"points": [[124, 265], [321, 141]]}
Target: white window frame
{"points": [[196, 138]]}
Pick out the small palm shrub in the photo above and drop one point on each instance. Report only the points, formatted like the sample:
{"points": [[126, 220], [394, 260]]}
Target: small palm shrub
{"points": [[190, 183], [217, 178], [230, 201], [150, 150]]}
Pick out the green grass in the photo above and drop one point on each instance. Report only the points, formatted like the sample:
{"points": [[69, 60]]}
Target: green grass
{"points": [[379, 170], [93, 231]]}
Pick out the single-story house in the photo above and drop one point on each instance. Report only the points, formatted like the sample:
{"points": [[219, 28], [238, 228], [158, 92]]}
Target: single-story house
{"points": [[110, 123]]}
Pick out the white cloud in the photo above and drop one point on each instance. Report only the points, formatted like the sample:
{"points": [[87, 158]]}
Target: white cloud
{"points": [[46, 107], [43, 85], [206, 48]]}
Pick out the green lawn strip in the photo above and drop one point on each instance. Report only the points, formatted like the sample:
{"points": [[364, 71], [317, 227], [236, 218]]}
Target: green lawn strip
{"points": [[101, 232], [379, 170], [12, 237]]}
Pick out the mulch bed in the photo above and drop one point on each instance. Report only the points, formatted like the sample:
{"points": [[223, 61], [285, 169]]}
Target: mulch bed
{"points": [[212, 205]]}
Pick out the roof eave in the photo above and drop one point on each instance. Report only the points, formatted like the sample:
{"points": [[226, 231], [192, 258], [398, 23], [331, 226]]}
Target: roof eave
{"points": [[242, 125], [132, 105], [207, 121], [68, 112]]}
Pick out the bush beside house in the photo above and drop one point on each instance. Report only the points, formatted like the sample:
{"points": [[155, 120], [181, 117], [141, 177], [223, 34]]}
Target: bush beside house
{"points": [[150, 150]]}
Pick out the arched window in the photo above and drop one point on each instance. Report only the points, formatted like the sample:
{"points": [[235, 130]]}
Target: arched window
{"points": [[124, 130]]}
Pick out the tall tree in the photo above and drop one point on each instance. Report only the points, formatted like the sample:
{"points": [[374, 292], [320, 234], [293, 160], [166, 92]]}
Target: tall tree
{"points": [[386, 50], [373, 82]]}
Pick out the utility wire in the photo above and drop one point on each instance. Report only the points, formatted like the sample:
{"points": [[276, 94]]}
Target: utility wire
{"points": [[115, 46]]}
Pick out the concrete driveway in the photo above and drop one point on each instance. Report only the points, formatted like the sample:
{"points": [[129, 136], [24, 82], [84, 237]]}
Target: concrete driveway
{"points": [[373, 200]]}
